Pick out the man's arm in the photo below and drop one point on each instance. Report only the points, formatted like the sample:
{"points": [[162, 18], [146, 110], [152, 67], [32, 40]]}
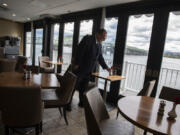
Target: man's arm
{"points": [[102, 62]]}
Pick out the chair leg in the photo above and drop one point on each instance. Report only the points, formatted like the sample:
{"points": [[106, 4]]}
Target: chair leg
{"points": [[60, 110], [6, 130], [64, 113], [117, 114], [145, 132], [37, 128], [40, 127]]}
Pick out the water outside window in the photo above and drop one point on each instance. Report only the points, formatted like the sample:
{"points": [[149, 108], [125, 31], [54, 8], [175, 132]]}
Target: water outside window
{"points": [[85, 28], [136, 52], [108, 47], [55, 42], [38, 44], [170, 68], [28, 48], [67, 47]]}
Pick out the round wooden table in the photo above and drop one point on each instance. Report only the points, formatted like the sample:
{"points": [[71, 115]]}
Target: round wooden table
{"points": [[143, 112]]}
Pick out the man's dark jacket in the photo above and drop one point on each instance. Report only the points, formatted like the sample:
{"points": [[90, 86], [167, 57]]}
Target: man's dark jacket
{"points": [[87, 55]]}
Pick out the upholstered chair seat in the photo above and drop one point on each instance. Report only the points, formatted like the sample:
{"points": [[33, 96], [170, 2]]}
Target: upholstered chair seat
{"points": [[116, 127]]}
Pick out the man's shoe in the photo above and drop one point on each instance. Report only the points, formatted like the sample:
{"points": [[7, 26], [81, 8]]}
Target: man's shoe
{"points": [[80, 104]]}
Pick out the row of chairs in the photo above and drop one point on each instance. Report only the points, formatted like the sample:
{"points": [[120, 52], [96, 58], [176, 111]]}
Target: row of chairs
{"points": [[8, 65], [23, 107]]}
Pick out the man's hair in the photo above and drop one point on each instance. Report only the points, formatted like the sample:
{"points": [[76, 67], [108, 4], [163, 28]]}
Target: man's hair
{"points": [[101, 31]]}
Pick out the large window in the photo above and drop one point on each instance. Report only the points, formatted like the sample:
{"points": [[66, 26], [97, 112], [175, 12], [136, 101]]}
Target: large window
{"points": [[85, 28], [108, 47], [55, 42], [136, 52], [38, 44], [170, 68], [67, 47], [28, 48]]}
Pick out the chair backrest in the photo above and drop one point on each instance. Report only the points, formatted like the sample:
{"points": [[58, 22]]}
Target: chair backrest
{"points": [[2, 52], [43, 64], [95, 111], [67, 85], [60, 76], [7, 65], [169, 94], [147, 89], [21, 107], [21, 61], [68, 69]]}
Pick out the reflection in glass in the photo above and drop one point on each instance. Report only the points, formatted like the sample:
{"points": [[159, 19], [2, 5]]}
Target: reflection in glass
{"points": [[170, 69], [85, 28], [28, 48], [136, 52], [38, 44], [108, 47], [67, 47], [55, 42]]}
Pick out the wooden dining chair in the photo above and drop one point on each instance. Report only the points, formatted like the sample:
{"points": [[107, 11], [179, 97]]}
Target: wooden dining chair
{"points": [[21, 108], [21, 61], [7, 65], [169, 94], [147, 89], [45, 67], [98, 120], [61, 96], [2, 52]]}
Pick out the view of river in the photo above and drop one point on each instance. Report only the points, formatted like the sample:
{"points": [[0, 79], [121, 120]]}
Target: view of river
{"points": [[134, 70], [167, 62]]}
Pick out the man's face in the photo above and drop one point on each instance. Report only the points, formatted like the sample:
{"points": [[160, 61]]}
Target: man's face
{"points": [[103, 36]]}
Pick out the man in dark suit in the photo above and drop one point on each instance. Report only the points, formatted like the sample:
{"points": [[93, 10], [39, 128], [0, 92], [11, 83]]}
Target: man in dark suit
{"points": [[87, 55]]}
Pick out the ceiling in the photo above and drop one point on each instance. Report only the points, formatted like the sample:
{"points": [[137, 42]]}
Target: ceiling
{"points": [[35, 9]]}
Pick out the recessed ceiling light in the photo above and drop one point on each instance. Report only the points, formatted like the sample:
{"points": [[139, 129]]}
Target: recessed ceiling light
{"points": [[13, 14], [28, 19], [5, 5]]}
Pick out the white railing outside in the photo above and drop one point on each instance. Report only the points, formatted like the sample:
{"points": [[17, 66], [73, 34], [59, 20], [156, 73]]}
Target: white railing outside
{"points": [[169, 78], [135, 74]]}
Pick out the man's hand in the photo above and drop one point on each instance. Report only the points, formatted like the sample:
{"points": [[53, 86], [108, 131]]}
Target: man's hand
{"points": [[108, 69], [75, 67]]}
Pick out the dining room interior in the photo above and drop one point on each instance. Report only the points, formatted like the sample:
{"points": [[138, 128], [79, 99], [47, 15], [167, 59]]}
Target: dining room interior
{"points": [[138, 95]]}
